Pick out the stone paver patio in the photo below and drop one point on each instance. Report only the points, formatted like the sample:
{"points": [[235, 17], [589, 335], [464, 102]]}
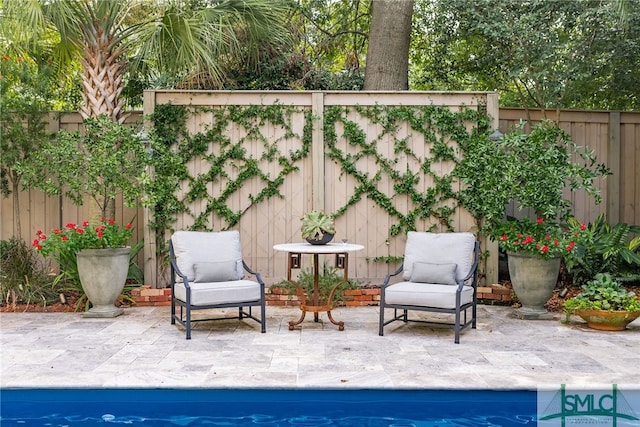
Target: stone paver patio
{"points": [[142, 349]]}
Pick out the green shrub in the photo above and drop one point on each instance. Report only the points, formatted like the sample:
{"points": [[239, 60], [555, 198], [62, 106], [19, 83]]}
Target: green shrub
{"points": [[23, 277]]}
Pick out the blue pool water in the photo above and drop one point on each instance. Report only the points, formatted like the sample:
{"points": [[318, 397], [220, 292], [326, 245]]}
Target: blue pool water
{"points": [[266, 407]]}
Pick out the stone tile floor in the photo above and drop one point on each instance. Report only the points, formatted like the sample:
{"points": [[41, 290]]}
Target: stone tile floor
{"points": [[142, 349]]}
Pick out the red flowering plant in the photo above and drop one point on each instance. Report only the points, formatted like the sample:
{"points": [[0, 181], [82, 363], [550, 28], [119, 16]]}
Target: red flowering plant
{"points": [[538, 237], [73, 238]]}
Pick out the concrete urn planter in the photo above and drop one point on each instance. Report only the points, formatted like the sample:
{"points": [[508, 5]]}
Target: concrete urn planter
{"points": [[534, 279], [103, 273]]}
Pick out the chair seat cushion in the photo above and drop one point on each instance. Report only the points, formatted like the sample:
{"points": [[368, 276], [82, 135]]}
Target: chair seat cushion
{"points": [[426, 295], [230, 292]]}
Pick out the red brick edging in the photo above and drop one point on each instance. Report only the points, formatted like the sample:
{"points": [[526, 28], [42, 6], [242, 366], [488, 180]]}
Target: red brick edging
{"points": [[147, 296], [495, 293], [367, 296]]}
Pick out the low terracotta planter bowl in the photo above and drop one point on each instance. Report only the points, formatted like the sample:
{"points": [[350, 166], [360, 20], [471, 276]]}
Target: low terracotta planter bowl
{"points": [[604, 320]]}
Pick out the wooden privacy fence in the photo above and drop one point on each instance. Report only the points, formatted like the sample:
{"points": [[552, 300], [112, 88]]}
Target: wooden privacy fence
{"points": [[320, 183], [330, 151]]}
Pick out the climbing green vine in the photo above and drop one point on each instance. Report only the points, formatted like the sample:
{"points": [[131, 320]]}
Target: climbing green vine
{"points": [[228, 164], [439, 126]]}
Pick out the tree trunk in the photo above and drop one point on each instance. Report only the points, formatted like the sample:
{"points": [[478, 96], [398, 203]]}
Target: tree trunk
{"points": [[16, 207], [102, 82], [387, 65], [100, 211]]}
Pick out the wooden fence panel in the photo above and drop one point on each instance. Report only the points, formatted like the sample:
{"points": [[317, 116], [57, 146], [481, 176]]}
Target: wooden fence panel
{"points": [[629, 179]]}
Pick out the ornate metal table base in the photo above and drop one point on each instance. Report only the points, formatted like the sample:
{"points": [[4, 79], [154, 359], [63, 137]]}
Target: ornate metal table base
{"points": [[315, 302]]}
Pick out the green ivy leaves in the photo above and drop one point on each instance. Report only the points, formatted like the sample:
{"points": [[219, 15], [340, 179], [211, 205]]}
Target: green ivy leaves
{"points": [[438, 125], [174, 147]]}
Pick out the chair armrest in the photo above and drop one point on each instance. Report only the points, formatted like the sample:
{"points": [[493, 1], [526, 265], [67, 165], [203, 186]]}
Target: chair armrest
{"points": [[255, 273], [175, 270], [474, 266], [388, 276]]}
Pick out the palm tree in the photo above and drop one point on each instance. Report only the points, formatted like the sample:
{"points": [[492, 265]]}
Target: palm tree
{"points": [[185, 38]]}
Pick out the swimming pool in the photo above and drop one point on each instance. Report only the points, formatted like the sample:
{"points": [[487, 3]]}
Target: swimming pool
{"points": [[266, 407]]}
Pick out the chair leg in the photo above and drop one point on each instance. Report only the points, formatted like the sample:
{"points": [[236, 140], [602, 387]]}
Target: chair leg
{"points": [[457, 326], [188, 322], [173, 309], [474, 311], [381, 324]]}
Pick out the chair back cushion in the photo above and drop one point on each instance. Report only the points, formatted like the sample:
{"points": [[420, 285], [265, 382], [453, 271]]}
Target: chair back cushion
{"points": [[441, 249], [425, 272], [208, 256], [219, 271]]}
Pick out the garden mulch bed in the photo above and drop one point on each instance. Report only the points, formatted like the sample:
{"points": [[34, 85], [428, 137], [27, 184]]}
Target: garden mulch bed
{"points": [[69, 306]]}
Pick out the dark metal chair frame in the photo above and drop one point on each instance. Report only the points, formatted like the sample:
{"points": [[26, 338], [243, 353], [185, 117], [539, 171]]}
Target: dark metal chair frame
{"points": [[460, 311], [184, 317]]}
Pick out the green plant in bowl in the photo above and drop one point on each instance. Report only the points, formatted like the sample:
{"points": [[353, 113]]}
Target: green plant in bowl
{"points": [[317, 224], [604, 303], [603, 293]]}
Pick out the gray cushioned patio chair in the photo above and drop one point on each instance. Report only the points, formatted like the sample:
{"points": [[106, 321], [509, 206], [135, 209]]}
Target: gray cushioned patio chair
{"points": [[439, 274], [207, 272]]}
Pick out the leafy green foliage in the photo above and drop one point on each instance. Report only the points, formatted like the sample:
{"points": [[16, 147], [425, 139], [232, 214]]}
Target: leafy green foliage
{"points": [[333, 34], [603, 293], [23, 279], [22, 112], [532, 169], [178, 43], [603, 248], [107, 159], [538, 53], [24, 103], [173, 147], [539, 237]]}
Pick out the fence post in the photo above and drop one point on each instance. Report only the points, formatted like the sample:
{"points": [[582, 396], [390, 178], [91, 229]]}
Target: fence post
{"points": [[614, 163], [317, 151], [53, 126], [149, 248], [491, 263]]}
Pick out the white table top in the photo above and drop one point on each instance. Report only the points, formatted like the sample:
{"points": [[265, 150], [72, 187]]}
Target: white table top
{"points": [[308, 248]]}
